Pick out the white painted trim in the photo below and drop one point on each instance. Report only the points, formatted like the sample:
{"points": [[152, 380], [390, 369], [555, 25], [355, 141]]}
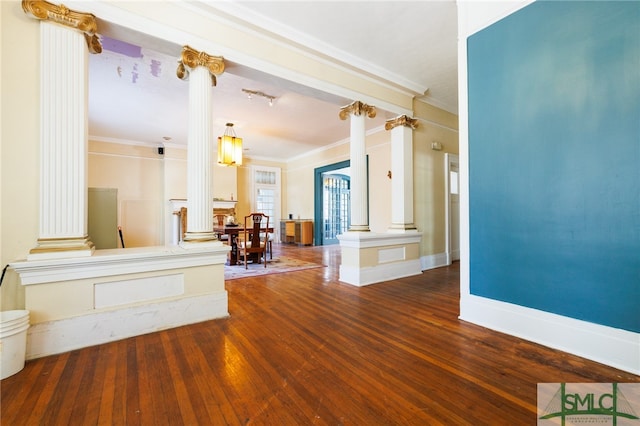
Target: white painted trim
{"points": [[265, 28], [377, 274], [435, 123], [372, 239], [110, 11], [130, 291], [487, 13], [113, 262], [68, 334], [392, 254], [276, 217], [611, 346], [433, 261], [450, 159], [325, 148]]}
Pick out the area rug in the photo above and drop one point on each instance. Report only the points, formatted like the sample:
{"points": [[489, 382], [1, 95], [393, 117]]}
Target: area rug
{"points": [[274, 266]]}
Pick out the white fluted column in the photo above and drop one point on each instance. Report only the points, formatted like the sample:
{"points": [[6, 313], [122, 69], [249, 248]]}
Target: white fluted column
{"points": [[200, 68], [64, 47], [358, 164], [401, 172]]}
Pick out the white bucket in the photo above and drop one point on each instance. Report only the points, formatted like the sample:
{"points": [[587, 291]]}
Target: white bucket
{"points": [[13, 341]]}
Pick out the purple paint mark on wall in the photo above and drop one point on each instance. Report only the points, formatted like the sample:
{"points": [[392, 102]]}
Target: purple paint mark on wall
{"points": [[134, 73], [156, 68], [121, 47]]}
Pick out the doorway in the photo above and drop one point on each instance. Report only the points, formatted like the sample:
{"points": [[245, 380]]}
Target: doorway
{"points": [[335, 205], [331, 202], [452, 208], [265, 194]]}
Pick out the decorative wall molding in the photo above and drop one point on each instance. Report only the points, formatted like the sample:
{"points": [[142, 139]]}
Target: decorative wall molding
{"points": [[376, 274], [373, 239], [68, 334], [391, 257], [155, 28], [114, 262], [268, 29]]}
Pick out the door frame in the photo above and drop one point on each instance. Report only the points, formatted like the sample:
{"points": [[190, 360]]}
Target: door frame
{"points": [[449, 160], [318, 197], [277, 206]]}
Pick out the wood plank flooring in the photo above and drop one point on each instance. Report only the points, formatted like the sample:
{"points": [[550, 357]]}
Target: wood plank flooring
{"points": [[301, 348]]}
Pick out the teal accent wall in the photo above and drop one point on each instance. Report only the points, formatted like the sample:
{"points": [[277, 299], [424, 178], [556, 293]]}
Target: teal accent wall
{"points": [[554, 160]]}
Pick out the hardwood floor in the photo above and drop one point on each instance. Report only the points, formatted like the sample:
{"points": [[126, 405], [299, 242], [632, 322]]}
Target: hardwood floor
{"points": [[302, 348]]}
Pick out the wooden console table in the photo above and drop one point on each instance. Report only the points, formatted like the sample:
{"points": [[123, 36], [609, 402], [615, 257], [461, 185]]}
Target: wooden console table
{"points": [[297, 231]]}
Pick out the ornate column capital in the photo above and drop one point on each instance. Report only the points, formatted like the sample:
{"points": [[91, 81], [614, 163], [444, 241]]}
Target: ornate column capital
{"points": [[60, 14], [402, 120], [192, 58], [357, 108]]}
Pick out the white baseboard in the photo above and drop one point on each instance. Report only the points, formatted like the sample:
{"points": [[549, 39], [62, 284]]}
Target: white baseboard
{"points": [[610, 346], [67, 334], [383, 272], [433, 261]]}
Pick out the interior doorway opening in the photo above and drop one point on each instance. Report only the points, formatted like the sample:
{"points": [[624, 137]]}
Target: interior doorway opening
{"points": [[335, 205], [332, 204], [452, 207]]}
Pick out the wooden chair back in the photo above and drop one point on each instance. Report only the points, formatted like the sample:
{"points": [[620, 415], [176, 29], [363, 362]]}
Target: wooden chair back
{"points": [[253, 238]]}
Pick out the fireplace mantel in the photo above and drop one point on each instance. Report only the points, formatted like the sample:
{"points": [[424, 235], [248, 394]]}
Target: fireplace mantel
{"points": [[175, 204]]}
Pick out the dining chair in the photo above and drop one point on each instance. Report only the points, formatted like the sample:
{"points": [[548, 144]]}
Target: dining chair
{"points": [[269, 247], [252, 240]]}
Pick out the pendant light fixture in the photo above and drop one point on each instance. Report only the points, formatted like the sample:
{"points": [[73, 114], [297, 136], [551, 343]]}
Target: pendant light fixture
{"points": [[229, 148]]}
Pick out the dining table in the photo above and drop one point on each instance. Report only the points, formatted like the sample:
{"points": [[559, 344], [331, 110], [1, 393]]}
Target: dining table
{"points": [[233, 231]]}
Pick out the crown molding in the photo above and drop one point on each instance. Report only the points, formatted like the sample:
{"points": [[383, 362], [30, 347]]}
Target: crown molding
{"points": [[128, 15], [233, 13]]}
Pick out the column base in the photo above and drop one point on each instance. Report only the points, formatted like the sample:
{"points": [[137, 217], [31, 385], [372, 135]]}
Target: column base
{"points": [[359, 228], [195, 237], [200, 240], [59, 248], [401, 227]]}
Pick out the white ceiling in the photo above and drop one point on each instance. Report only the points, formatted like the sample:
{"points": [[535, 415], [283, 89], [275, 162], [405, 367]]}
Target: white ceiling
{"points": [[411, 45]]}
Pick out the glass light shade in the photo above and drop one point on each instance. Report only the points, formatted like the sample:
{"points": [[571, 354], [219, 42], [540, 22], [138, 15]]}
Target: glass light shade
{"points": [[229, 149]]}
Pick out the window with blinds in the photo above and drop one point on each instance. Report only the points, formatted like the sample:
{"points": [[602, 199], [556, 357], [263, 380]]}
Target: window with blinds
{"points": [[265, 177]]}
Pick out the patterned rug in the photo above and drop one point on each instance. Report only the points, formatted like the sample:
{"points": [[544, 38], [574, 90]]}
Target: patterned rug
{"points": [[274, 266]]}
